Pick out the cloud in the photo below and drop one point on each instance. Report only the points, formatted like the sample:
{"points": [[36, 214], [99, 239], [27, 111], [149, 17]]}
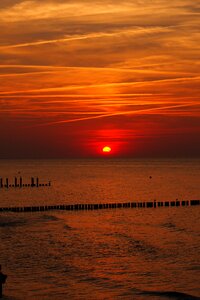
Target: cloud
{"points": [[126, 65]]}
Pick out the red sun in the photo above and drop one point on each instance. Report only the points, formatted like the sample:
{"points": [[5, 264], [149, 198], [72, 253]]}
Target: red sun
{"points": [[106, 149]]}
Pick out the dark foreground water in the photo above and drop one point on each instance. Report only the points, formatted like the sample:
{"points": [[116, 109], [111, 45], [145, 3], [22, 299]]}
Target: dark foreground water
{"points": [[107, 254]]}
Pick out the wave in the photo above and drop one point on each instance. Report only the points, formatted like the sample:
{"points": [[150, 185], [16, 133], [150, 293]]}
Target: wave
{"points": [[137, 246], [6, 297], [49, 218], [8, 222], [67, 227], [171, 295], [12, 223], [172, 226], [10, 298]]}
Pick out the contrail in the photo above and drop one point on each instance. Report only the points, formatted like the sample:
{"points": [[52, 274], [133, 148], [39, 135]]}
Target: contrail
{"points": [[134, 31], [134, 112], [112, 84]]}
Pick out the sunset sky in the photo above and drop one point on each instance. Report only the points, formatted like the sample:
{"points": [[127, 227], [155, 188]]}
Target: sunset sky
{"points": [[76, 76]]}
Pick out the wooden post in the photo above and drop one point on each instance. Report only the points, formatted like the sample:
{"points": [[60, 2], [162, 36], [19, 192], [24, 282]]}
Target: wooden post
{"points": [[149, 204], [32, 182], [15, 181], [194, 202], [7, 185], [20, 182], [2, 281], [1, 182]]}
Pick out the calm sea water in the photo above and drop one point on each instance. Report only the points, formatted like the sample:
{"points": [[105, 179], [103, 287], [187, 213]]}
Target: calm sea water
{"points": [[107, 254]]}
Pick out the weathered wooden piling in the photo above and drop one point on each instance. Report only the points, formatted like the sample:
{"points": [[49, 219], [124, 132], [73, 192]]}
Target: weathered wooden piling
{"points": [[149, 204], [194, 202], [184, 203], [32, 181], [20, 182]]}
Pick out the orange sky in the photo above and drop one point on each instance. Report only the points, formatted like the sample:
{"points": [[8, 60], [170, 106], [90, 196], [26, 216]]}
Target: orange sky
{"points": [[78, 75]]}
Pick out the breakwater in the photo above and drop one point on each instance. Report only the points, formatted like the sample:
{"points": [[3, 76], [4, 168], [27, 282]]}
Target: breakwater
{"points": [[76, 207], [19, 183]]}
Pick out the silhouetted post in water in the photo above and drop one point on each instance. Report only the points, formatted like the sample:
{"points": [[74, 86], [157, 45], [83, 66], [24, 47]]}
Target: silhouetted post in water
{"points": [[32, 181], [37, 181], [7, 183], [2, 281], [20, 182], [1, 182], [15, 181]]}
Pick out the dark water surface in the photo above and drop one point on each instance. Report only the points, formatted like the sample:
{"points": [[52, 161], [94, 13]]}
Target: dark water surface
{"points": [[108, 254]]}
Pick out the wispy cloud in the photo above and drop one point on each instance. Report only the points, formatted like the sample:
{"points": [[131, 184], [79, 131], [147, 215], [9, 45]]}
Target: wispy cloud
{"points": [[122, 65]]}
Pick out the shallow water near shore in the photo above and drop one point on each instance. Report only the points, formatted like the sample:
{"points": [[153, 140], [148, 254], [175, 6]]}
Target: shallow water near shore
{"points": [[107, 254]]}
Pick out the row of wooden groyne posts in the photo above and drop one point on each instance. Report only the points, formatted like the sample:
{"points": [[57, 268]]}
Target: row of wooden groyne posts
{"points": [[76, 207], [19, 183]]}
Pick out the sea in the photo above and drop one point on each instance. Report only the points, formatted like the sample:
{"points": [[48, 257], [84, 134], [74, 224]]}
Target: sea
{"points": [[127, 253]]}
